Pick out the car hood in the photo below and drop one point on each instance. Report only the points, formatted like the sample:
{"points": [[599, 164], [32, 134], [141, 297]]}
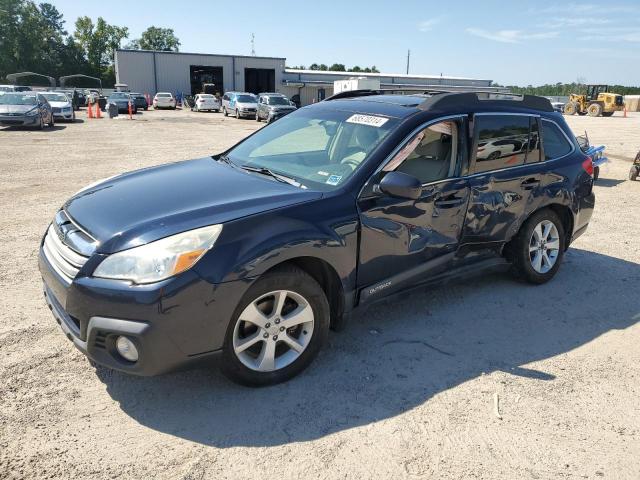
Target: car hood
{"points": [[138, 207], [60, 104], [16, 108]]}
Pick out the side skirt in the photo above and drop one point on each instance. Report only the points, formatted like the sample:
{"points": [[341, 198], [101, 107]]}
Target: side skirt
{"points": [[406, 281]]}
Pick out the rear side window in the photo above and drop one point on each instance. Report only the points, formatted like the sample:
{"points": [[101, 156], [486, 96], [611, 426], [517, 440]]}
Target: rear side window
{"points": [[502, 141], [554, 142]]}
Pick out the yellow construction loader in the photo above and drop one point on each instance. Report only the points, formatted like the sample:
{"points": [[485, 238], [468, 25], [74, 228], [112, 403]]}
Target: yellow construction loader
{"points": [[597, 101]]}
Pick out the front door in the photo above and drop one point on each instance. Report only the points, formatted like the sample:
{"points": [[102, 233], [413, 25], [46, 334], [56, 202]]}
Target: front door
{"points": [[404, 241]]}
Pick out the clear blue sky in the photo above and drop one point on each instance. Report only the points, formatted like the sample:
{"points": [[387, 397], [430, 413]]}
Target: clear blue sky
{"points": [[519, 42]]}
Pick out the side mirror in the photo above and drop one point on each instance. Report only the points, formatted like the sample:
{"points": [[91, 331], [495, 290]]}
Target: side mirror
{"points": [[398, 184]]}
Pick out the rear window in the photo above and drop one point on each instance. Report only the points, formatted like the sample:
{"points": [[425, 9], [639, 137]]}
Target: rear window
{"points": [[163, 95], [554, 142], [502, 141]]}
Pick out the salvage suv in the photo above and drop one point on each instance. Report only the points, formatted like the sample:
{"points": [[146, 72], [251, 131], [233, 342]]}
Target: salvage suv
{"points": [[255, 253]]}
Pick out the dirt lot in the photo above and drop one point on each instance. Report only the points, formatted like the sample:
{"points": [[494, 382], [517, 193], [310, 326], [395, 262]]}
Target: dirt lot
{"points": [[407, 391]]}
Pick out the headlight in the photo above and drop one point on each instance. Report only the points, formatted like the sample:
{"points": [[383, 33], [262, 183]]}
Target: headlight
{"points": [[161, 259], [32, 112]]}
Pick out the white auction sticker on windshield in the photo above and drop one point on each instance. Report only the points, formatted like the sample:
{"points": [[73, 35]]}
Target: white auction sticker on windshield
{"points": [[370, 120]]}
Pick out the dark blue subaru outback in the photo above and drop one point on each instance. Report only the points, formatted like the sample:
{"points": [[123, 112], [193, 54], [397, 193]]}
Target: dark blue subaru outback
{"points": [[257, 252]]}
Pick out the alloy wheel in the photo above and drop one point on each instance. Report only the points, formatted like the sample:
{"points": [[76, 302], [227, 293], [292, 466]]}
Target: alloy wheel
{"points": [[544, 246], [273, 331]]}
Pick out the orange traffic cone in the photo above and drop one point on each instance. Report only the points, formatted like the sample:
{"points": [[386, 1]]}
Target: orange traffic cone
{"points": [[98, 113], [89, 110], [625, 111], [130, 112]]}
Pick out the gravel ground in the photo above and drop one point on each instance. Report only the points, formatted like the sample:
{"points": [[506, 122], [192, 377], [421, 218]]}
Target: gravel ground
{"points": [[409, 390]]}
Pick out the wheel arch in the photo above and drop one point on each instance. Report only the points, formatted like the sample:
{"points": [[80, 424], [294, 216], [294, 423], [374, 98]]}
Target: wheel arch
{"points": [[564, 213], [328, 279]]}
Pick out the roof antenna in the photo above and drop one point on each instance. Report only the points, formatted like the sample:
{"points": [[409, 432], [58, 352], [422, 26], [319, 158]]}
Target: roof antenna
{"points": [[253, 45]]}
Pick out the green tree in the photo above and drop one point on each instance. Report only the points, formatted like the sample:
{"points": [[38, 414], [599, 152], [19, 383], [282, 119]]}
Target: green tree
{"points": [[156, 38], [337, 67], [98, 43], [355, 69], [323, 67]]}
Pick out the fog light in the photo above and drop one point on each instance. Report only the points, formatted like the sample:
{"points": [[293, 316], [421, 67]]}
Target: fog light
{"points": [[127, 349]]}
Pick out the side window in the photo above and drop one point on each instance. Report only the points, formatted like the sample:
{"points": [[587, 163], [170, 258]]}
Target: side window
{"points": [[554, 142], [502, 141], [431, 155]]}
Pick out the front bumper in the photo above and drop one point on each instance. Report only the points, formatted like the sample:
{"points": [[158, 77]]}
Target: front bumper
{"points": [[174, 323], [62, 115], [247, 113], [19, 120]]}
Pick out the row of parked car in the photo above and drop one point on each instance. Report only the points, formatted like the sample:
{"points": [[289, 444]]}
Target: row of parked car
{"points": [[19, 106], [267, 106]]}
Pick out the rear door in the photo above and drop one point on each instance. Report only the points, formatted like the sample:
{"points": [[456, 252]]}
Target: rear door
{"points": [[404, 241], [504, 176]]}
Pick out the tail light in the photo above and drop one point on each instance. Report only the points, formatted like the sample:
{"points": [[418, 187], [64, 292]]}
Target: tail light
{"points": [[587, 165]]}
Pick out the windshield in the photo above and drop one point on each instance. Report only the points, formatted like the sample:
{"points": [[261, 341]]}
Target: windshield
{"points": [[163, 95], [246, 99], [119, 95], [277, 101], [17, 99], [6, 89], [208, 97], [319, 149], [55, 97]]}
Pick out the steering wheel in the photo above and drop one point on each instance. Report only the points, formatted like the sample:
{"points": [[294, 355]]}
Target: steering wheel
{"points": [[351, 162]]}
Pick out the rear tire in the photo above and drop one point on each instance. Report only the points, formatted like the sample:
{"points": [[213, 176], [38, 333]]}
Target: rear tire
{"points": [[537, 252], [607, 114], [634, 172], [237, 114], [596, 173], [224, 111], [300, 292]]}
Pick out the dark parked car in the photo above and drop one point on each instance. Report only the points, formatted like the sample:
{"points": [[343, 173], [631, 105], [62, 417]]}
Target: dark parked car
{"points": [[272, 106], [25, 109], [140, 100], [122, 101], [257, 252]]}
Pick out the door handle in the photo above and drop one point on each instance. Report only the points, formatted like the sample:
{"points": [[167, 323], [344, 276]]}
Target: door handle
{"points": [[530, 183]]}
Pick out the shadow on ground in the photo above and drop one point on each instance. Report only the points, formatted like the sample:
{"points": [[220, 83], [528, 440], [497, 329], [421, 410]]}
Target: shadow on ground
{"points": [[396, 356]]}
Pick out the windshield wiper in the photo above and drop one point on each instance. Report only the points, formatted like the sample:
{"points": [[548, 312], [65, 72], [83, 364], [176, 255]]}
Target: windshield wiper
{"points": [[272, 174]]}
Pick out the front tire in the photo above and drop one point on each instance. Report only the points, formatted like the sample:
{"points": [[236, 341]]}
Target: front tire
{"points": [[634, 172], [538, 248], [237, 114], [224, 111], [277, 330]]}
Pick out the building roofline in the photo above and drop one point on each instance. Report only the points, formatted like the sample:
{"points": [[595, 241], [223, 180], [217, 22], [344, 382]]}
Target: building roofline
{"points": [[199, 54], [381, 74]]}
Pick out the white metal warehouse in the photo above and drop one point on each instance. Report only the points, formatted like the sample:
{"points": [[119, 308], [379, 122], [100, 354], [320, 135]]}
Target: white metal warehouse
{"points": [[148, 71]]}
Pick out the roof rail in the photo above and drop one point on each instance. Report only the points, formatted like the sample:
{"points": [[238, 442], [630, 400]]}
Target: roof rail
{"points": [[446, 97], [485, 99]]}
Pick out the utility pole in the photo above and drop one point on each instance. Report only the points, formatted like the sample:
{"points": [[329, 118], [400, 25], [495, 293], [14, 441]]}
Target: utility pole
{"points": [[408, 57], [253, 45]]}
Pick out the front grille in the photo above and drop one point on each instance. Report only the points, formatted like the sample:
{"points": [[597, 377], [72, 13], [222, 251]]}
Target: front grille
{"points": [[101, 340], [66, 247], [56, 109]]}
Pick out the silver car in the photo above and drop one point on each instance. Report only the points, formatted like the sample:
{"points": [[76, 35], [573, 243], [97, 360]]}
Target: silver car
{"points": [[240, 104], [61, 105], [25, 109]]}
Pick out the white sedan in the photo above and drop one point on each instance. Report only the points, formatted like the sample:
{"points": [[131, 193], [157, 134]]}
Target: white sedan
{"points": [[61, 105], [164, 100], [205, 101]]}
